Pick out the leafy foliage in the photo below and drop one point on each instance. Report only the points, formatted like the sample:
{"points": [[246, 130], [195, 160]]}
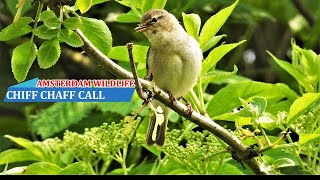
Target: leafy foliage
{"points": [[259, 113]]}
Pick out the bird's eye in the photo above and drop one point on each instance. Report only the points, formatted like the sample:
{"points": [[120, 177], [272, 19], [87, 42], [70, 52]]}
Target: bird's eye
{"points": [[154, 20]]}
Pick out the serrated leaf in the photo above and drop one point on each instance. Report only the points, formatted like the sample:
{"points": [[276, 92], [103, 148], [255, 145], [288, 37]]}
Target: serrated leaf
{"points": [[301, 105], [296, 73], [59, 116], [84, 5], [214, 23], [192, 23], [70, 37], [22, 58], [78, 168], [17, 155], [50, 19], [28, 145], [72, 23], [120, 53], [98, 33], [307, 138], [49, 53], [47, 14], [44, 32], [42, 168], [52, 23], [215, 56], [16, 29]]}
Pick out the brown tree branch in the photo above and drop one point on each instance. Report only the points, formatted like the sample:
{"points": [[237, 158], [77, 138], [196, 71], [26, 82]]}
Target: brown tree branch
{"points": [[241, 150], [303, 11]]}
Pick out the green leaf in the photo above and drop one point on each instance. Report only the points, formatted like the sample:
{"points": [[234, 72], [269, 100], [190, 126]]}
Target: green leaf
{"points": [[59, 116], [217, 75], [259, 104], [213, 41], [28, 145], [78, 168], [47, 14], [50, 19], [308, 138], [42, 168], [44, 32], [301, 105], [159, 4], [147, 5], [214, 23], [83, 5], [52, 23], [192, 23], [17, 155], [172, 167], [131, 3], [72, 23], [129, 17], [16, 29], [98, 33], [23, 57], [70, 37], [296, 73], [49, 53], [227, 169], [120, 53], [267, 122], [283, 162], [215, 56], [94, 2], [227, 99]]}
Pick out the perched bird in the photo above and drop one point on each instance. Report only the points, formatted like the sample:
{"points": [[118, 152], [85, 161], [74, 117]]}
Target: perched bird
{"points": [[174, 63]]}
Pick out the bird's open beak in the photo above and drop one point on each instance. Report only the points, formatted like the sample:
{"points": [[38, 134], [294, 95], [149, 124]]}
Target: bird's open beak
{"points": [[141, 28]]}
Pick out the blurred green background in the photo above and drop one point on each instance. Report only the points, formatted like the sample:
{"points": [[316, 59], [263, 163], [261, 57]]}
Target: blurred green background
{"points": [[266, 25]]}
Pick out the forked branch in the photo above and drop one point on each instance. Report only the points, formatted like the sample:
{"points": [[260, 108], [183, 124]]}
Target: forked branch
{"points": [[241, 150]]}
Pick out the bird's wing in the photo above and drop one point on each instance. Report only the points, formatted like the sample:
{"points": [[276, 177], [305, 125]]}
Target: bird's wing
{"points": [[147, 65]]}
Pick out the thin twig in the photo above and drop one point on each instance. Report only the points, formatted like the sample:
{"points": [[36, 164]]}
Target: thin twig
{"points": [[303, 11], [141, 94], [204, 122]]}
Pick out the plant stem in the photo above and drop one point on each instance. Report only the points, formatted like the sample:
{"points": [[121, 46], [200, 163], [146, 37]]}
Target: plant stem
{"points": [[36, 20], [296, 153], [202, 107]]}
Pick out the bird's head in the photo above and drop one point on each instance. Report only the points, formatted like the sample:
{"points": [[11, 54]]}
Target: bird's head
{"points": [[157, 22]]}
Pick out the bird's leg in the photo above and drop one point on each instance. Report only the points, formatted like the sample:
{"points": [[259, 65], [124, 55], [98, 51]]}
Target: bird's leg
{"points": [[172, 99], [189, 107], [149, 77], [149, 98]]}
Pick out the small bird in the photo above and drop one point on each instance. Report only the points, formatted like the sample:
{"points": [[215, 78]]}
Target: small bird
{"points": [[174, 62]]}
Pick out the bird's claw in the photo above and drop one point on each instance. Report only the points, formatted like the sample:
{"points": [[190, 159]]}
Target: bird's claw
{"points": [[172, 99], [189, 107], [149, 98]]}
